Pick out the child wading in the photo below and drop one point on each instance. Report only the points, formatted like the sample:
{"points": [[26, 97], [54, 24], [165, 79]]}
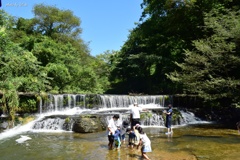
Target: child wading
{"points": [[131, 137], [117, 138], [125, 125], [145, 142]]}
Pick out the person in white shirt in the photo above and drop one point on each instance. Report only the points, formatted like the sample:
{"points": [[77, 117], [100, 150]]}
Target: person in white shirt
{"points": [[135, 114], [112, 127], [145, 142]]}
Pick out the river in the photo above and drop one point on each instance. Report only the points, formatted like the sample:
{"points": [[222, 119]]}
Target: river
{"points": [[193, 139], [190, 142]]}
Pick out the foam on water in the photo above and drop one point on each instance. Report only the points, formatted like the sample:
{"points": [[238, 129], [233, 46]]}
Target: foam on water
{"points": [[144, 106], [28, 127], [23, 139], [188, 117]]}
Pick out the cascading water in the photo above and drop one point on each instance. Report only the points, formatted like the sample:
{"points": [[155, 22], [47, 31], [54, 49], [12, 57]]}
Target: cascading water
{"points": [[114, 104], [50, 124], [67, 101], [54, 110], [124, 101], [67, 104]]}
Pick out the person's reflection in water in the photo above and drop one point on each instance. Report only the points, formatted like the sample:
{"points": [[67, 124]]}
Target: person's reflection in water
{"points": [[169, 137], [119, 154]]}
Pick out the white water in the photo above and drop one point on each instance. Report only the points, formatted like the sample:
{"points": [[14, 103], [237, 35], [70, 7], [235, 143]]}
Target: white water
{"points": [[143, 106], [190, 118], [23, 139], [109, 103], [28, 127]]}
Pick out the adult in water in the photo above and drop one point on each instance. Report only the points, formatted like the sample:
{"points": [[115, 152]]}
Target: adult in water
{"points": [[169, 119], [135, 114], [112, 127]]}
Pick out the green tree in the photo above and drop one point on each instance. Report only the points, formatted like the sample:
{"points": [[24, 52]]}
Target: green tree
{"points": [[166, 29], [20, 72], [50, 20], [211, 69]]}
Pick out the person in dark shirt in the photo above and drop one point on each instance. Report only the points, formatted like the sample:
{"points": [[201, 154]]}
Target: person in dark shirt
{"points": [[169, 119], [131, 137]]}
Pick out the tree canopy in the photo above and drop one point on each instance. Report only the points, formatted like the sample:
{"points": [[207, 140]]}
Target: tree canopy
{"points": [[182, 47], [46, 54], [211, 69], [177, 47]]}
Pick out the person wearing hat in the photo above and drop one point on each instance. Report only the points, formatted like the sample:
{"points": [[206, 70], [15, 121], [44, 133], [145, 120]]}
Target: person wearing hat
{"points": [[112, 127]]}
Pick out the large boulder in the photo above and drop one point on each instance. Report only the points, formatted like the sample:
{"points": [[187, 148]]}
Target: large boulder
{"points": [[89, 124]]}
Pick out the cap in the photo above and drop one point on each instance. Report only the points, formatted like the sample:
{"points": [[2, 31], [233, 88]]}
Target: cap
{"points": [[137, 125]]}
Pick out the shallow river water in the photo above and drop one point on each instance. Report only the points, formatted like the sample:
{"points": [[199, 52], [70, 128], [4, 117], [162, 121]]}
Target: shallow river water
{"points": [[192, 142]]}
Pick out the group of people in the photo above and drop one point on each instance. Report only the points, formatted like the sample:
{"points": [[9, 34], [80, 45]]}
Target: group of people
{"points": [[117, 131]]}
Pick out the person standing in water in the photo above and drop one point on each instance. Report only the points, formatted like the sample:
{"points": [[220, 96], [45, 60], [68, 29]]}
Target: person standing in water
{"points": [[145, 143], [117, 138], [112, 127], [135, 114], [124, 127], [169, 119]]}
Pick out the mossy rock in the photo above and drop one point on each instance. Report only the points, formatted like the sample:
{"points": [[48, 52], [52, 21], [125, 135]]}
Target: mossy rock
{"points": [[88, 124]]}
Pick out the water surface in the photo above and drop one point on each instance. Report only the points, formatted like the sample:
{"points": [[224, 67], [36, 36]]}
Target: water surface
{"points": [[192, 142]]}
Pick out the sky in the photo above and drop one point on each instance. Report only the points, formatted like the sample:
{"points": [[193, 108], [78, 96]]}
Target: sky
{"points": [[105, 23]]}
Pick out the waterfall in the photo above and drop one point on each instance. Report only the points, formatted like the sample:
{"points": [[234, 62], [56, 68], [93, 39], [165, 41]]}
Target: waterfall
{"points": [[110, 104], [56, 113], [189, 118], [61, 102], [50, 124], [117, 101], [40, 106], [67, 101]]}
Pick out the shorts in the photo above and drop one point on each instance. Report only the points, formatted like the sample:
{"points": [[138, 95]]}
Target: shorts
{"points": [[135, 121], [146, 148], [168, 123], [111, 138], [131, 141], [123, 137]]}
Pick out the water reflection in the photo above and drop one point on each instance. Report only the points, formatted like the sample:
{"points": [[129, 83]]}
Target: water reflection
{"points": [[169, 137]]}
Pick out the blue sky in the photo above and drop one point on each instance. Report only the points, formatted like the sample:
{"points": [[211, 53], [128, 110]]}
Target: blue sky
{"points": [[105, 23]]}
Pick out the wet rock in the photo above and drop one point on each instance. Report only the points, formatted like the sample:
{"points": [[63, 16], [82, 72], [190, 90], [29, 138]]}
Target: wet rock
{"points": [[4, 125], [89, 124]]}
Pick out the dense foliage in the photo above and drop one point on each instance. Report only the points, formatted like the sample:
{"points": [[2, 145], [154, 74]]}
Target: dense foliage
{"points": [[211, 70], [177, 47], [182, 47], [45, 54]]}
